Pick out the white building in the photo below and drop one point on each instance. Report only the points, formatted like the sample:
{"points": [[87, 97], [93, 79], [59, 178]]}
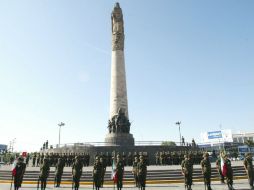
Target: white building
{"points": [[242, 137]]}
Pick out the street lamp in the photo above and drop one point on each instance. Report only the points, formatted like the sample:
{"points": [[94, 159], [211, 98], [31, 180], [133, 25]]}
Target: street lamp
{"points": [[179, 125], [60, 125]]}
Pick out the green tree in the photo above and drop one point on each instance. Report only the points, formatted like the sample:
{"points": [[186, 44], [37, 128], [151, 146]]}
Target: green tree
{"points": [[249, 143], [168, 143]]}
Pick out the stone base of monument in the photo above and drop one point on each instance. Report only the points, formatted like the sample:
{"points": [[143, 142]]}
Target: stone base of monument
{"points": [[119, 139]]}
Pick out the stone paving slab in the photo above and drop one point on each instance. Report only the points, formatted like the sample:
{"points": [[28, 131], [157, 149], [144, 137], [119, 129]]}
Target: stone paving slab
{"points": [[238, 185]]}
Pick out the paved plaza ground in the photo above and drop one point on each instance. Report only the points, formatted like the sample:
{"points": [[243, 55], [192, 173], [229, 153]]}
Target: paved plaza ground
{"points": [[238, 185]]}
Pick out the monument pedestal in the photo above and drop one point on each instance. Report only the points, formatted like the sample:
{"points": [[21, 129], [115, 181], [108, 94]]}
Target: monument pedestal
{"points": [[119, 139]]}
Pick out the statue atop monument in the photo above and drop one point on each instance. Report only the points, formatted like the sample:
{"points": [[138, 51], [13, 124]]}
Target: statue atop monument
{"points": [[117, 28]]}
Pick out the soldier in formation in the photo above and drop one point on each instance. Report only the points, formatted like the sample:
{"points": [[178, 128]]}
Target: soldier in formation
{"points": [[33, 160], [76, 172], [206, 170], [187, 171], [18, 173], [135, 171], [97, 173], [119, 172], [59, 172], [248, 166], [44, 173], [141, 172], [229, 172], [104, 167]]}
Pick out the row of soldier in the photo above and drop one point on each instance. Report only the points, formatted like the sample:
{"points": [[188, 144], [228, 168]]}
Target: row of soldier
{"points": [[176, 157], [69, 159], [139, 171]]}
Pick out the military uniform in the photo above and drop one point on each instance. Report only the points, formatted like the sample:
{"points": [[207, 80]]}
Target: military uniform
{"points": [[135, 170], [119, 172], [206, 170], [19, 173], [248, 165], [103, 162], [142, 171], [34, 160], [187, 170], [97, 173], [76, 172], [229, 173], [59, 171], [44, 173]]}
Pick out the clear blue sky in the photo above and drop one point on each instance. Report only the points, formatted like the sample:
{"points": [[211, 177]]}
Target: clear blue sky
{"points": [[191, 61]]}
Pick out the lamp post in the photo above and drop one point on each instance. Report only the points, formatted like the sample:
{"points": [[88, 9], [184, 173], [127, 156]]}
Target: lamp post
{"points": [[179, 125], [60, 125]]}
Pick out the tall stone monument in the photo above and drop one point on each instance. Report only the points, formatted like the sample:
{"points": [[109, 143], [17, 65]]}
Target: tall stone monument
{"points": [[118, 124]]}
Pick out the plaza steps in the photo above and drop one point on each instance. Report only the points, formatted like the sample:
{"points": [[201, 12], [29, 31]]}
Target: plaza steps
{"points": [[152, 175]]}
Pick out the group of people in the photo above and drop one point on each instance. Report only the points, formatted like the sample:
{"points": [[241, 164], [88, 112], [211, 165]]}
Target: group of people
{"points": [[139, 170], [224, 168], [176, 157], [67, 158]]}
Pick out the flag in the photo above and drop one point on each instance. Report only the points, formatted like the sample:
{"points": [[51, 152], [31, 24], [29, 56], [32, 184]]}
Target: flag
{"points": [[223, 166], [13, 168], [114, 173]]}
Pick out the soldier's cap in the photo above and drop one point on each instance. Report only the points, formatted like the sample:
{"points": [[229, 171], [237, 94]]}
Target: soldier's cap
{"points": [[141, 157], [206, 154], [97, 158], [20, 158]]}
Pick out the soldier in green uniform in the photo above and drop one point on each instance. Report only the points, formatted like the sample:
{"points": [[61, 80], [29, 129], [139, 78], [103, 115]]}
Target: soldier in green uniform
{"points": [[19, 173], [76, 172], [142, 171], [44, 173], [135, 170], [103, 162], [34, 159], [248, 166], [229, 172], [187, 170], [97, 173], [59, 171], [206, 170], [157, 158], [119, 172]]}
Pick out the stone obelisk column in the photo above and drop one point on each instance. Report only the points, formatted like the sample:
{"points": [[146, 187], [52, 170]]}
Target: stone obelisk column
{"points": [[119, 125]]}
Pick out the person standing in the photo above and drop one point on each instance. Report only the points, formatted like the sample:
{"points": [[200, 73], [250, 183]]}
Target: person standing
{"points": [[44, 173], [135, 171], [119, 172], [229, 172], [59, 171], [206, 170], [187, 171], [248, 166], [97, 173], [142, 171], [76, 172], [19, 169]]}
